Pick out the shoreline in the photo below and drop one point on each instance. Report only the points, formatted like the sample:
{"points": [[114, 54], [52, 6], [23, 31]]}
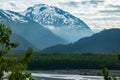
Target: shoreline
{"points": [[90, 72]]}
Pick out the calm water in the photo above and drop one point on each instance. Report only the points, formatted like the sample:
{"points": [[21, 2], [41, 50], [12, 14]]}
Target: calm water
{"points": [[44, 76], [64, 77]]}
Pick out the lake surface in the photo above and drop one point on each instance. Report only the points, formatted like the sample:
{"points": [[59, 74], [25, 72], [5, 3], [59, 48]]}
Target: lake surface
{"points": [[44, 76], [47, 76]]}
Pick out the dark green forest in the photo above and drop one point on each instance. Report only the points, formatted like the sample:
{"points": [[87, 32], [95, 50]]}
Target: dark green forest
{"points": [[57, 61]]}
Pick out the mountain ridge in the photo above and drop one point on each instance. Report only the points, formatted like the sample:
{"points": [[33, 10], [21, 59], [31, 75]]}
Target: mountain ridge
{"points": [[45, 26], [30, 30], [23, 43], [107, 41]]}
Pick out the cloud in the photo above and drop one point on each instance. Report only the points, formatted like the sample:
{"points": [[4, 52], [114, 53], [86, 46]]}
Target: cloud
{"points": [[13, 5], [112, 2], [92, 1], [115, 6], [72, 4], [107, 19], [110, 11]]}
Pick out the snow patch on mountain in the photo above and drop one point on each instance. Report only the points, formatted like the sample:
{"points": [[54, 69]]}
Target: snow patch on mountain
{"points": [[50, 15], [60, 22], [16, 17]]}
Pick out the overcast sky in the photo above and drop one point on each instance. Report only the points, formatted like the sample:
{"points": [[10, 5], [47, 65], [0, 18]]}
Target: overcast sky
{"points": [[98, 14]]}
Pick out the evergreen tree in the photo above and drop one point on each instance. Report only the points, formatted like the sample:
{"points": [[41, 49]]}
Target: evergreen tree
{"points": [[12, 64], [106, 72]]}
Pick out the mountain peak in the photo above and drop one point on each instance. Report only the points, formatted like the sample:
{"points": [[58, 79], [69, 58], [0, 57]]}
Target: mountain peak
{"points": [[51, 15], [59, 22]]}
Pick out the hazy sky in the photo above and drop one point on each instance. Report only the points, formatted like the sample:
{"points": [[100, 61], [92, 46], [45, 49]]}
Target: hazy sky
{"points": [[98, 14]]}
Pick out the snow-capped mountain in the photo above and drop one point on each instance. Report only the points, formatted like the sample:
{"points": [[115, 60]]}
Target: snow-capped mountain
{"points": [[35, 33], [60, 22], [45, 26], [10, 16]]}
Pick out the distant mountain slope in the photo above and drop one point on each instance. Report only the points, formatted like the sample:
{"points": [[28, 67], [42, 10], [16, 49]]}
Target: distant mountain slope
{"points": [[107, 41], [35, 33], [60, 22], [23, 43]]}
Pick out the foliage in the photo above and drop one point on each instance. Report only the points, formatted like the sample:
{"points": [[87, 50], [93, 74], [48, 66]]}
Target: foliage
{"points": [[12, 64], [19, 66], [106, 73], [53, 61], [107, 76]]}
